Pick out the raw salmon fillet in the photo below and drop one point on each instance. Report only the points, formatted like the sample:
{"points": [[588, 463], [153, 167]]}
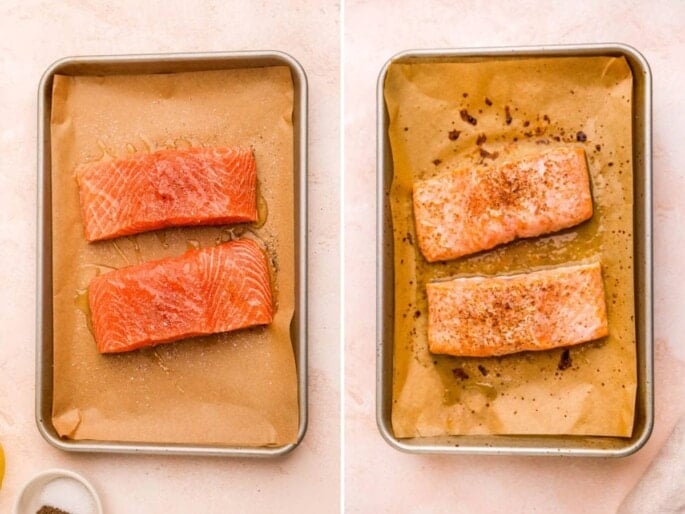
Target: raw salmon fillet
{"points": [[205, 291], [485, 316], [468, 211], [166, 188]]}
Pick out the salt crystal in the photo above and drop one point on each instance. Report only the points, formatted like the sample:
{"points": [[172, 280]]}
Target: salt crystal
{"points": [[69, 495]]}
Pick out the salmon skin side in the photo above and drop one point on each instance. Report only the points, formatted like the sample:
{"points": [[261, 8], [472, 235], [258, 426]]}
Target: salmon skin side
{"points": [[467, 211], [487, 316], [167, 188], [216, 289]]}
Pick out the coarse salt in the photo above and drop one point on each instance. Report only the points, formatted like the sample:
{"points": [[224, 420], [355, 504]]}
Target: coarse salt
{"points": [[69, 495]]}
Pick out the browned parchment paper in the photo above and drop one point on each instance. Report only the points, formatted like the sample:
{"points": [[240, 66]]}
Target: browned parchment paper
{"points": [[237, 388], [478, 113]]}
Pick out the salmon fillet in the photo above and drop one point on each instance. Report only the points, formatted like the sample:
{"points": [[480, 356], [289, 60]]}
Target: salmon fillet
{"points": [[166, 188], [205, 291], [485, 316], [468, 211]]}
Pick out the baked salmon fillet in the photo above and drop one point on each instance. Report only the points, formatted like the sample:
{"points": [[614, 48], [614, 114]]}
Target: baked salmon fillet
{"points": [[487, 316], [467, 211], [216, 289], [166, 188]]}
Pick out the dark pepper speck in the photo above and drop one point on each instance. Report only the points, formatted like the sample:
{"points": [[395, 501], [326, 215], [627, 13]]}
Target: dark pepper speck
{"points": [[580, 136], [467, 117], [565, 360], [487, 155], [453, 135], [460, 373]]}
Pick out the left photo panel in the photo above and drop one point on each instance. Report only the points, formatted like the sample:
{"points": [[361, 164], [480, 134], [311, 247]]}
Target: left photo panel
{"points": [[176, 325]]}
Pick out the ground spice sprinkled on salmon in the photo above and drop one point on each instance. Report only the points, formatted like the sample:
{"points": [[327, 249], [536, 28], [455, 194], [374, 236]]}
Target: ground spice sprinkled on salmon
{"points": [[470, 210], [487, 316]]}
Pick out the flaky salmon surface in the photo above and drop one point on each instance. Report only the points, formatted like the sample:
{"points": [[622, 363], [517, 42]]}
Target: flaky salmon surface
{"points": [[487, 316], [149, 191], [206, 291], [467, 211]]}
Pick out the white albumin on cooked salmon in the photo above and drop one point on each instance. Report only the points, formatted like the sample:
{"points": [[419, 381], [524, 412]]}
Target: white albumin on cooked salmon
{"points": [[497, 315], [167, 188], [206, 291], [467, 211]]}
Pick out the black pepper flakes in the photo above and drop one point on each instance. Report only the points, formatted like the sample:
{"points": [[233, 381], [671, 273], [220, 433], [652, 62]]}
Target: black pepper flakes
{"points": [[526, 123], [465, 95], [467, 117], [507, 113], [565, 360], [580, 136], [460, 373], [598, 148], [488, 102], [453, 135], [406, 128], [417, 314], [436, 161], [483, 370], [610, 164], [48, 509], [482, 138]]}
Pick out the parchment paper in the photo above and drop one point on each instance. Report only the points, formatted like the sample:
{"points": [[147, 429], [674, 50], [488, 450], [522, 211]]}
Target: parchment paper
{"points": [[237, 388], [451, 115]]}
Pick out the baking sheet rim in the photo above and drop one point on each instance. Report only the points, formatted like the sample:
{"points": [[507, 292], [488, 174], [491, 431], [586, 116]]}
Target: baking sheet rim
{"points": [[257, 58], [384, 356]]}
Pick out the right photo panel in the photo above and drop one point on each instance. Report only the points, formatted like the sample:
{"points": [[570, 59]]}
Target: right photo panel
{"points": [[503, 194]]}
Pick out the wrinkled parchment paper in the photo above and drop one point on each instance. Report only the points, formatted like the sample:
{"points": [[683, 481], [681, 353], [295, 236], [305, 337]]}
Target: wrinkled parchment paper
{"points": [[236, 388], [479, 113]]}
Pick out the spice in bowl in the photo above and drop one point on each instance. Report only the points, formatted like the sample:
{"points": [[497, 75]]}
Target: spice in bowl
{"points": [[47, 509]]}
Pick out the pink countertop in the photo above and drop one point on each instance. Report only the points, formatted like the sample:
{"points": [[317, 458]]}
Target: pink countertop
{"points": [[33, 34], [380, 479]]}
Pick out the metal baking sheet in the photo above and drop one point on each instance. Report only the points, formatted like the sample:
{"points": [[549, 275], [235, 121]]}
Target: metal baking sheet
{"points": [[642, 183], [168, 63]]}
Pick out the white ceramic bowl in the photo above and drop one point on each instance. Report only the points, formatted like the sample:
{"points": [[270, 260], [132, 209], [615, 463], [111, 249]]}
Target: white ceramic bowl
{"points": [[28, 499]]}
